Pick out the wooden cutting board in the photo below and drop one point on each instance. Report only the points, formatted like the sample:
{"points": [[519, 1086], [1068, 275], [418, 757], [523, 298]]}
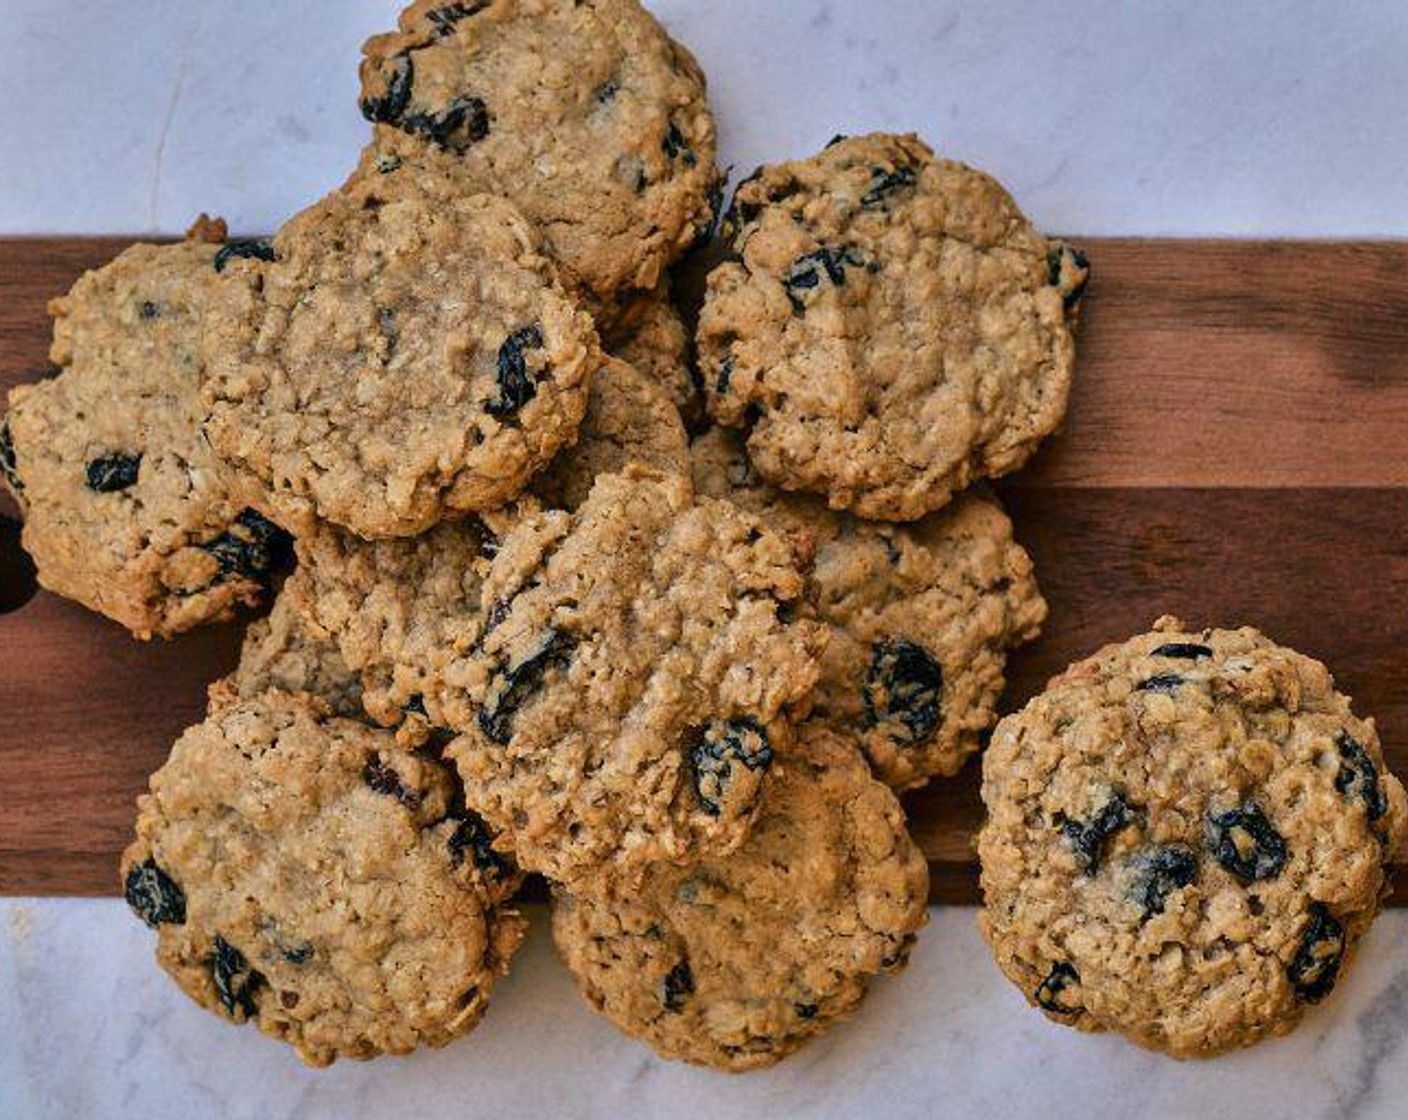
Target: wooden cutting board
{"points": [[1236, 452]]}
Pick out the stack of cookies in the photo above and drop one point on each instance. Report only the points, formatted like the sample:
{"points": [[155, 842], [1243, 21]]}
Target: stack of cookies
{"points": [[666, 616]]}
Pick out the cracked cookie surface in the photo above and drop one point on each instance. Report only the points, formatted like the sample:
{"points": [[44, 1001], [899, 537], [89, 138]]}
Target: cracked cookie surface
{"points": [[398, 610], [921, 616], [633, 681], [629, 419], [890, 328], [303, 873], [654, 339], [404, 354], [1187, 834], [126, 510], [584, 112], [281, 652], [736, 961]]}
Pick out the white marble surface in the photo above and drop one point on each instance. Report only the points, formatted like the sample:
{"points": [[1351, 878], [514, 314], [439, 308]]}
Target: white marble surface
{"points": [[1103, 116], [1189, 117], [92, 1029]]}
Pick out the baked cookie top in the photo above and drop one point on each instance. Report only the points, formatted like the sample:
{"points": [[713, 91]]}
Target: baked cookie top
{"points": [[633, 681], [652, 337], [398, 610], [303, 873], [629, 419], [921, 616], [1187, 834], [584, 112], [890, 327], [402, 355], [281, 652], [125, 507], [736, 961]]}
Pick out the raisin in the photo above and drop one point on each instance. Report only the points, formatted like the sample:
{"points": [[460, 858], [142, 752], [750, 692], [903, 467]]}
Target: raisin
{"points": [[838, 138], [724, 744], [499, 610], [235, 981], [253, 547], [400, 74], [8, 467], [148, 310], [1055, 268], [1245, 842], [905, 687], [259, 250], [1157, 873], [291, 947], [517, 683], [1190, 651], [674, 145], [1167, 683], [443, 20], [725, 375], [463, 122], [154, 895], [472, 837], [805, 1010], [109, 473], [1358, 777], [1048, 992], [884, 183], [415, 706], [806, 273], [390, 330], [678, 987], [1087, 839], [383, 779], [1316, 965], [516, 385]]}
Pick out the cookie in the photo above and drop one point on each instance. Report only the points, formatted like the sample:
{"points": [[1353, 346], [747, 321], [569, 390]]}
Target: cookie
{"points": [[629, 419], [398, 610], [585, 114], [654, 339], [889, 329], [634, 679], [281, 652], [304, 874], [126, 510], [402, 356], [1187, 834], [737, 961], [921, 616]]}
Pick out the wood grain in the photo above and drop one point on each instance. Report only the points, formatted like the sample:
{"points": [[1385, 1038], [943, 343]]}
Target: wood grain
{"points": [[1235, 453]]}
